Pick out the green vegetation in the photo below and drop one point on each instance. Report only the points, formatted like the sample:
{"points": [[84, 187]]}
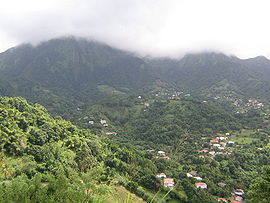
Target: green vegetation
{"points": [[176, 127], [45, 159], [183, 107], [260, 191]]}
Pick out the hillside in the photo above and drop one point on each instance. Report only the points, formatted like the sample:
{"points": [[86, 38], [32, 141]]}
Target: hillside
{"points": [[226, 150], [45, 159], [158, 121]]}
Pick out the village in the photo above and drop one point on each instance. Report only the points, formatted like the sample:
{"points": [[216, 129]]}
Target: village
{"points": [[212, 146], [242, 104], [216, 145]]}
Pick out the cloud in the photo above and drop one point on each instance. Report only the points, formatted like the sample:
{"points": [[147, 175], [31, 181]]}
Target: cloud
{"points": [[149, 27]]}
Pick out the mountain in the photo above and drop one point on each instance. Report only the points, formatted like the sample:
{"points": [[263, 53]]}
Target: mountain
{"points": [[216, 73], [68, 74], [71, 71]]}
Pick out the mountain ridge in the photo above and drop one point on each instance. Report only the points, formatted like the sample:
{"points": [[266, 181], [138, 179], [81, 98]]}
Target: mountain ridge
{"points": [[75, 72]]}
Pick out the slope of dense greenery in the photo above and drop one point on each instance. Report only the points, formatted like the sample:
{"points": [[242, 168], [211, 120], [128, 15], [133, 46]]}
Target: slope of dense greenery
{"points": [[45, 159], [160, 121]]}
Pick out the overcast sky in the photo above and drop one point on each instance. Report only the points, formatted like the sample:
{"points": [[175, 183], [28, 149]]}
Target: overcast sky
{"points": [[149, 27]]}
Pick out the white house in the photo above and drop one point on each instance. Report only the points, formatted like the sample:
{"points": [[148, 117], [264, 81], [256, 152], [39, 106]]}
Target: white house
{"points": [[198, 178], [161, 175], [216, 145], [189, 175], [231, 143], [161, 153], [222, 138]]}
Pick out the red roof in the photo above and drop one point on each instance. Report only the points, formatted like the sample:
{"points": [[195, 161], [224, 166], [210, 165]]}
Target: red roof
{"points": [[200, 184], [221, 199], [238, 198], [162, 174], [204, 138], [168, 180], [214, 140]]}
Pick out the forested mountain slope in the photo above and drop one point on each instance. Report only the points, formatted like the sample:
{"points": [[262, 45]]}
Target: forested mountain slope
{"points": [[66, 73], [215, 73], [71, 71]]}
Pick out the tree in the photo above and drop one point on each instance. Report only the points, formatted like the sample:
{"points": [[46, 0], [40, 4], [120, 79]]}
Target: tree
{"points": [[260, 189]]}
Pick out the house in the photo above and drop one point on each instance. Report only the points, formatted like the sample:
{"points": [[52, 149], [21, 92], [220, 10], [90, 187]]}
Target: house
{"points": [[238, 198], [167, 157], [239, 192], [214, 140], [168, 182], [204, 138], [161, 175], [231, 143], [111, 133], [204, 151], [201, 156], [91, 122], [201, 185], [221, 184], [221, 148], [103, 122], [223, 144], [161, 153], [221, 200], [189, 175], [216, 145], [146, 104], [212, 153], [198, 178], [222, 138]]}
